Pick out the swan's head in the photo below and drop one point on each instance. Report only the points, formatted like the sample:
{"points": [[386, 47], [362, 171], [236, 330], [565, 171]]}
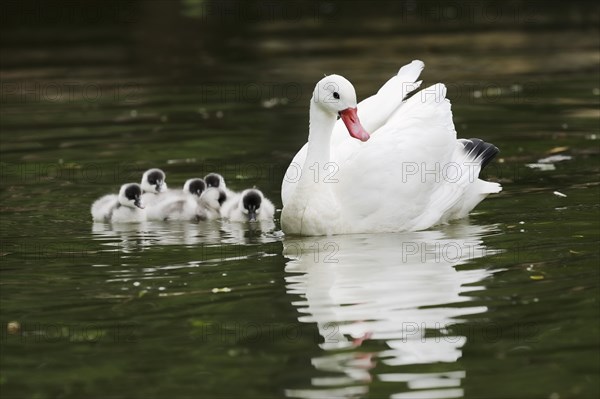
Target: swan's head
{"points": [[251, 202], [336, 95], [215, 180], [130, 195], [153, 181], [194, 186]]}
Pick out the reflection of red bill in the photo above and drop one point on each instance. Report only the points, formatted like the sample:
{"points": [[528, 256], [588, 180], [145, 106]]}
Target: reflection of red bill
{"points": [[358, 341]]}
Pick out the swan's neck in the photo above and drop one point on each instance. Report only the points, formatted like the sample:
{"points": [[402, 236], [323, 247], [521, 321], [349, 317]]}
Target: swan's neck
{"points": [[319, 139], [311, 197]]}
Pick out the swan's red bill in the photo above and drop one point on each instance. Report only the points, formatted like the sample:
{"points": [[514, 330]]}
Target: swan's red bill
{"points": [[350, 118]]}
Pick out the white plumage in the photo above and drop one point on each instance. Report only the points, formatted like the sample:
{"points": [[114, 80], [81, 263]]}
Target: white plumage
{"points": [[250, 205], [210, 203], [215, 180], [126, 207], [410, 174], [181, 205], [103, 206], [154, 186]]}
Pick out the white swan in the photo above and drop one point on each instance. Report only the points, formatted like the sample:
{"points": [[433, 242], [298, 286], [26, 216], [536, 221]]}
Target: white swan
{"points": [[180, 205], [250, 205], [126, 207], [103, 206], [130, 208], [217, 181], [210, 203], [154, 186], [410, 174], [194, 186]]}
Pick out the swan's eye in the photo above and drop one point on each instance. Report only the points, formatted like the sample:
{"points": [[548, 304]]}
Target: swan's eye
{"points": [[336, 95]]}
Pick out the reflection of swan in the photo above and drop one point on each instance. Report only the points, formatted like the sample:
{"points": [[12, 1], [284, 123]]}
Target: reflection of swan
{"points": [[135, 252], [159, 233], [260, 231], [387, 287], [212, 232]]}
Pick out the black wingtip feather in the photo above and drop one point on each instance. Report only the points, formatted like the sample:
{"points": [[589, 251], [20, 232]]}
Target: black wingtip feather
{"points": [[479, 149]]}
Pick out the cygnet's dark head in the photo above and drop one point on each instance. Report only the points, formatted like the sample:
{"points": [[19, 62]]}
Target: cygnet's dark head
{"points": [[153, 181], [130, 195], [194, 186], [214, 180], [251, 201], [222, 197], [213, 198]]}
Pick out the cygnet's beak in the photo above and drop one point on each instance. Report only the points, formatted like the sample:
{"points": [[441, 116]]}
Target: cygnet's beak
{"points": [[138, 203], [252, 215]]}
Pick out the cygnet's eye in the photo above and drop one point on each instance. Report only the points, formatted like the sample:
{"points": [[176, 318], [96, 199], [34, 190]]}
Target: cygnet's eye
{"points": [[336, 95]]}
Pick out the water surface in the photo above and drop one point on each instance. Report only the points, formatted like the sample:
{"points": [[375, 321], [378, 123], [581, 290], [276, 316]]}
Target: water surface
{"points": [[504, 304]]}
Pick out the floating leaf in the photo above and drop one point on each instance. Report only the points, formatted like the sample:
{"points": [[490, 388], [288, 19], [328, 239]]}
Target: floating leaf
{"points": [[555, 158], [200, 323], [13, 327], [556, 150], [541, 166], [224, 289]]}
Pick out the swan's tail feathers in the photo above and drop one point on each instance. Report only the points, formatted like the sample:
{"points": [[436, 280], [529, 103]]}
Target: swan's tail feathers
{"points": [[424, 110], [408, 75], [410, 72], [474, 194], [488, 187], [405, 81], [480, 151]]}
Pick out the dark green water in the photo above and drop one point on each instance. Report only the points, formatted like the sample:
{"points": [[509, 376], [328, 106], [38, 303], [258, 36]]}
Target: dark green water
{"points": [[503, 305]]}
